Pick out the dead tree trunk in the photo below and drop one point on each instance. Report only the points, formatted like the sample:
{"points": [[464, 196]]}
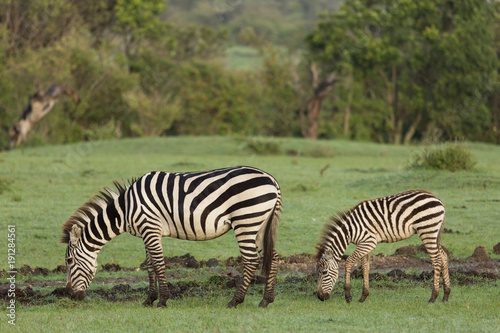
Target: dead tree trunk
{"points": [[309, 115], [39, 105]]}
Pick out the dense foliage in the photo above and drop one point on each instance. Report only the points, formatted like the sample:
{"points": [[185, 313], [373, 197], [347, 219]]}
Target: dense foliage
{"points": [[419, 69], [407, 70]]}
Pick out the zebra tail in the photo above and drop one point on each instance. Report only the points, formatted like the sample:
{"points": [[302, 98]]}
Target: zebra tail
{"points": [[270, 237], [441, 231]]}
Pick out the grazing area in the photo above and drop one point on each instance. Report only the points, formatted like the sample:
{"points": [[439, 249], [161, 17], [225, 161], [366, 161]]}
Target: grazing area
{"points": [[40, 187]]}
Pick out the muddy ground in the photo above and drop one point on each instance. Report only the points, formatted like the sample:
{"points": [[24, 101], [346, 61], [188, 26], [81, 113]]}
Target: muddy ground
{"points": [[216, 276]]}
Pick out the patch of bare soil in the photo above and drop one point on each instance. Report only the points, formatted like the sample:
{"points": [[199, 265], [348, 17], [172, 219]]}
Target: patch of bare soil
{"points": [[226, 274]]}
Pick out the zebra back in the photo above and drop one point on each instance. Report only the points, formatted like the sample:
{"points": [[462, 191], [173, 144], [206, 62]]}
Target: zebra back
{"points": [[386, 220]]}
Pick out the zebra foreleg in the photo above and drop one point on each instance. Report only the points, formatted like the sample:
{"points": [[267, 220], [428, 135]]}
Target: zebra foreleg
{"points": [[362, 250], [365, 265], [155, 250], [153, 281], [270, 282], [249, 268]]}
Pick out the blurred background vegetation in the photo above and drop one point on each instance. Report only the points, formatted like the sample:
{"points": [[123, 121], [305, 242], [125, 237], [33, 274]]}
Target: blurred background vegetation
{"points": [[400, 71]]}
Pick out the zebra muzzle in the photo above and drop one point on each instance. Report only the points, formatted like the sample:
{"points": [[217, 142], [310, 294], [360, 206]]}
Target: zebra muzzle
{"points": [[76, 296], [322, 296], [79, 295]]}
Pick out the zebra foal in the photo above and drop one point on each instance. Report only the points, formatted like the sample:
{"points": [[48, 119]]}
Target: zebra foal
{"points": [[192, 206], [383, 220]]}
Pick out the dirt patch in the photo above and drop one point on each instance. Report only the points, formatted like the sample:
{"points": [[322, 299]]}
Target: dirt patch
{"points": [[225, 275], [480, 254], [496, 249], [409, 250]]}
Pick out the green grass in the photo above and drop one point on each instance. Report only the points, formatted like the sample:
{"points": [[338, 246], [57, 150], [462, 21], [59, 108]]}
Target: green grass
{"points": [[44, 185], [384, 310], [47, 184]]}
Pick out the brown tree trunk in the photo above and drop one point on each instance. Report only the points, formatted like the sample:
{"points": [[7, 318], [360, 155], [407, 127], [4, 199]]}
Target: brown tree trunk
{"points": [[347, 112], [309, 125], [413, 128], [313, 108]]}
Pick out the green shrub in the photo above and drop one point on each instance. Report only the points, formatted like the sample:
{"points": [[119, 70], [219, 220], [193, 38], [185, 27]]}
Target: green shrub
{"points": [[261, 146], [451, 157]]}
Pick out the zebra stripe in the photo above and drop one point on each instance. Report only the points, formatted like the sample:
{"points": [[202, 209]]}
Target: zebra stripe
{"points": [[191, 206], [383, 220]]}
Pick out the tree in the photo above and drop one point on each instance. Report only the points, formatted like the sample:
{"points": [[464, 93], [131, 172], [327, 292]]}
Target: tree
{"points": [[430, 62], [138, 18]]}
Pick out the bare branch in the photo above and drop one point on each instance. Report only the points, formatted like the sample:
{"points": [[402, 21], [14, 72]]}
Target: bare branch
{"points": [[39, 105]]}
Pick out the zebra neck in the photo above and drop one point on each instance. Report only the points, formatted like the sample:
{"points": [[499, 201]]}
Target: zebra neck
{"points": [[339, 240], [105, 226]]}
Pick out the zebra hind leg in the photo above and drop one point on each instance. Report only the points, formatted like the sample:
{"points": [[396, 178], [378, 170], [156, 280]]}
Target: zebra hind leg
{"points": [[435, 256], [270, 282], [249, 268], [446, 274], [153, 281], [365, 265]]}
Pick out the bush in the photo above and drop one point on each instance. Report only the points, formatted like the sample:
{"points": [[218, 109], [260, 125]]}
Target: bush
{"points": [[451, 157], [261, 146]]}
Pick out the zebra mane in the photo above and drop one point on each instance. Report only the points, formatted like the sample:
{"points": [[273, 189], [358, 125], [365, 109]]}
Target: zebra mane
{"points": [[331, 227], [86, 212]]}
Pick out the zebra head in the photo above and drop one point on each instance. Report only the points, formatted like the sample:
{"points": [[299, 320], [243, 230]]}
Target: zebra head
{"points": [[327, 270], [81, 265]]}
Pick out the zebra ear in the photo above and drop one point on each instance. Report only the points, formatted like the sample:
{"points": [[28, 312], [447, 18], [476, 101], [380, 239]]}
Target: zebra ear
{"points": [[75, 234]]}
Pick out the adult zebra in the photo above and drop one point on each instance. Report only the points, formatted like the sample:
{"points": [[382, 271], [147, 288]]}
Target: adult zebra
{"points": [[191, 206], [383, 220]]}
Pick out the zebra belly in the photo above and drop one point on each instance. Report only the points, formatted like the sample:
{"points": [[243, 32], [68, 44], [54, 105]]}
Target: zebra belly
{"points": [[180, 231], [391, 236]]}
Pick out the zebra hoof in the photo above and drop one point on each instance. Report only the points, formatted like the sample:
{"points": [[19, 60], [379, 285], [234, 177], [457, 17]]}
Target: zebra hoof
{"points": [[264, 303], [232, 304], [364, 295], [149, 301], [162, 304], [446, 295]]}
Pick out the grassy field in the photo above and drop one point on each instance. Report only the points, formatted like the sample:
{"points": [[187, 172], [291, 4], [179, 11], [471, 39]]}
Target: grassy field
{"points": [[40, 187], [383, 311]]}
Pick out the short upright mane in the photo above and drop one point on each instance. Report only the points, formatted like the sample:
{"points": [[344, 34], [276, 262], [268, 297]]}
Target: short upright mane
{"points": [[328, 229], [92, 208]]}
